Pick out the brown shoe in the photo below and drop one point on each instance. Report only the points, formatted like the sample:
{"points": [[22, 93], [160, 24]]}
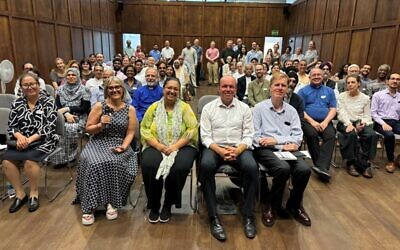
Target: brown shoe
{"points": [[390, 167], [352, 171], [268, 217], [368, 173]]}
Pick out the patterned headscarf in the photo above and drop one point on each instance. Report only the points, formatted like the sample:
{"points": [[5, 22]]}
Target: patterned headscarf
{"points": [[72, 93]]}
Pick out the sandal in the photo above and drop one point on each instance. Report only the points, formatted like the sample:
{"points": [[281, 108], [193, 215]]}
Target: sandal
{"points": [[87, 219], [111, 213]]}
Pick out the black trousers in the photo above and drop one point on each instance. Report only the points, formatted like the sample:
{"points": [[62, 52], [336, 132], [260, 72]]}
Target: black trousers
{"points": [[198, 69], [281, 171], [388, 136], [175, 181], [348, 142], [321, 154], [245, 163]]}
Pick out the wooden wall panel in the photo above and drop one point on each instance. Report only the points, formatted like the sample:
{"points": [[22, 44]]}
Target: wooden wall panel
{"points": [[97, 47], [64, 48], [331, 14], [328, 41], [345, 13], [212, 20], [111, 16], [96, 12], [3, 5], [277, 23], [131, 18], [382, 46], [171, 19], [309, 17], [77, 44], [22, 7], [61, 10], [341, 48], [106, 46], [255, 26], [86, 13], [88, 42], [294, 16], [364, 14], [112, 44], [150, 20], [359, 46], [233, 24], [396, 59], [75, 11], [319, 14], [5, 41], [44, 9], [387, 10], [301, 19], [104, 14], [192, 18], [317, 39], [47, 47], [148, 42], [25, 33]]}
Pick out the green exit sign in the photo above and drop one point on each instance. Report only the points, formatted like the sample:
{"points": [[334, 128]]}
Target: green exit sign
{"points": [[275, 33]]}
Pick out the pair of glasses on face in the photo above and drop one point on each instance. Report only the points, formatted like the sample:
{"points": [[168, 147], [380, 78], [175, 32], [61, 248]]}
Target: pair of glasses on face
{"points": [[31, 85], [114, 88]]}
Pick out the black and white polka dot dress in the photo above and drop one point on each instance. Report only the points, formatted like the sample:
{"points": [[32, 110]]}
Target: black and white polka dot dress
{"points": [[105, 177]]}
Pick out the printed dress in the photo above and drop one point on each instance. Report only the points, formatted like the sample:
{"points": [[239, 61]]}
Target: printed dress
{"points": [[105, 177]]}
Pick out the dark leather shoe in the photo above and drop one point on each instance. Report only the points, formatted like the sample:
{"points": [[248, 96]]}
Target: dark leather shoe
{"points": [[33, 204], [268, 217], [323, 174], [17, 204], [300, 215], [216, 229], [249, 228], [368, 173], [352, 171]]}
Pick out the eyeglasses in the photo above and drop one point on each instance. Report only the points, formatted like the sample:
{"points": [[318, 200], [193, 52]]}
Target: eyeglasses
{"points": [[31, 85], [114, 88]]}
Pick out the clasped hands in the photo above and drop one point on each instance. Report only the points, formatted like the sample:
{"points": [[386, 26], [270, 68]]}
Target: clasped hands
{"points": [[167, 150], [320, 127], [357, 128], [23, 142], [271, 141], [228, 153]]}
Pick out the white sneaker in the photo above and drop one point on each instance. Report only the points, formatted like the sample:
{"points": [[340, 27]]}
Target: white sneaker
{"points": [[111, 213], [87, 219]]}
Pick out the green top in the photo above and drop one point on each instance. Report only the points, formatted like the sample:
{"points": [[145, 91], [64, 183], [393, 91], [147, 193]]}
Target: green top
{"points": [[258, 92], [189, 125]]}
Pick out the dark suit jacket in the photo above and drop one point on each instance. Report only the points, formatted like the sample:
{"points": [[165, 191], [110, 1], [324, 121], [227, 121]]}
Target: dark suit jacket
{"points": [[241, 86], [331, 84]]}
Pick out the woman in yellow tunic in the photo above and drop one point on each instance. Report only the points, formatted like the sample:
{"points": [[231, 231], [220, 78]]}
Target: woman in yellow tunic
{"points": [[169, 133]]}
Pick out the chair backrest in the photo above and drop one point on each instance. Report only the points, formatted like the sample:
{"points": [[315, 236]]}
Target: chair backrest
{"points": [[203, 101], [6, 100], [4, 114], [60, 124], [50, 90]]}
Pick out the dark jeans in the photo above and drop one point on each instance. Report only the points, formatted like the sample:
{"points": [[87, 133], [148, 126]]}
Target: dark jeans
{"points": [[175, 181], [245, 163], [348, 142], [388, 136], [198, 69], [281, 170], [321, 154]]}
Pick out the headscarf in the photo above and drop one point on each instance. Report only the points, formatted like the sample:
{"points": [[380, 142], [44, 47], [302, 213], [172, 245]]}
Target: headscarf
{"points": [[71, 94]]}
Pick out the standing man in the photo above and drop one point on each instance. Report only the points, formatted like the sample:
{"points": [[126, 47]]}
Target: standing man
{"points": [[128, 50], [226, 130], [258, 89], [277, 128], [212, 55], [189, 55], [319, 110], [155, 53], [253, 53], [199, 51], [227, 51], [168, 53], [385, 110]]}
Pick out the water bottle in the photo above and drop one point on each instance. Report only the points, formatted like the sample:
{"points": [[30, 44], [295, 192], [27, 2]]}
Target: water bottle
{"points": [[10, 190]]}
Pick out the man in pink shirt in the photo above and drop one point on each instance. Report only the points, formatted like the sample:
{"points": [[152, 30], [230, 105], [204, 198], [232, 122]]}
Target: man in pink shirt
{"points": [[212, 55]]}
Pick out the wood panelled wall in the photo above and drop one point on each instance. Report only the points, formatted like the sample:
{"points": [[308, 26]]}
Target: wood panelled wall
{"points": [[182, 21], [355, 31], [41, 30]]}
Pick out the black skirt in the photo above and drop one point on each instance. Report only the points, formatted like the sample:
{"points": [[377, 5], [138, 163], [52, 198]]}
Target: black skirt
{"points": [[30, 154]]}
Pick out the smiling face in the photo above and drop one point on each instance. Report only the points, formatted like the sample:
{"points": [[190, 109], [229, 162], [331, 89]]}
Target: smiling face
{"points": [[279, 86], [30, 86], [316, 76], [171, 90], [130, 72], [60, 64], [151, 76], [72, 78], [114, 89], [227, 89]]}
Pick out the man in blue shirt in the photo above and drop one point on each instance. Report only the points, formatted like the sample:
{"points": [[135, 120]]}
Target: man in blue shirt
{"points": [[148, 94], [319, 110], [155, 53], [277, 128]]}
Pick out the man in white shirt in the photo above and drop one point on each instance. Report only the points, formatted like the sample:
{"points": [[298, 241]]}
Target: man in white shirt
{"points": [[226, 130], [239, 71], [97, 80], [168, 53]]}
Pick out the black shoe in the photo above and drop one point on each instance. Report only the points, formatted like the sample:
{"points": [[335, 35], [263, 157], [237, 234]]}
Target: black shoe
{"points": [[249, 228], [322, 174], [33, 204], [268, 217], [283, 213], [165, 214], [154, 216], [17, 204], [300, 215], [216, 229]]}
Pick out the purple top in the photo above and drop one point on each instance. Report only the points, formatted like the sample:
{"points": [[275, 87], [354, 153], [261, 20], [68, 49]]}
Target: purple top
{"points": [[385, 106]]}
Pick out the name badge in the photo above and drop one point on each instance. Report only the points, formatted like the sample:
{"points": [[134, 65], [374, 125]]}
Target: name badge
{"points": [[39, 112], [265, 89], [323, 96]]}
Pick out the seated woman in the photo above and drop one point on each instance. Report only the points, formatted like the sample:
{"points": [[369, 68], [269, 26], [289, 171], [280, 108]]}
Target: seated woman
{"points": [[32, 124], [354, 114], [57, 75], [86, 71], [169, 137], [108, 164], [130, 83], [72, 100]]}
